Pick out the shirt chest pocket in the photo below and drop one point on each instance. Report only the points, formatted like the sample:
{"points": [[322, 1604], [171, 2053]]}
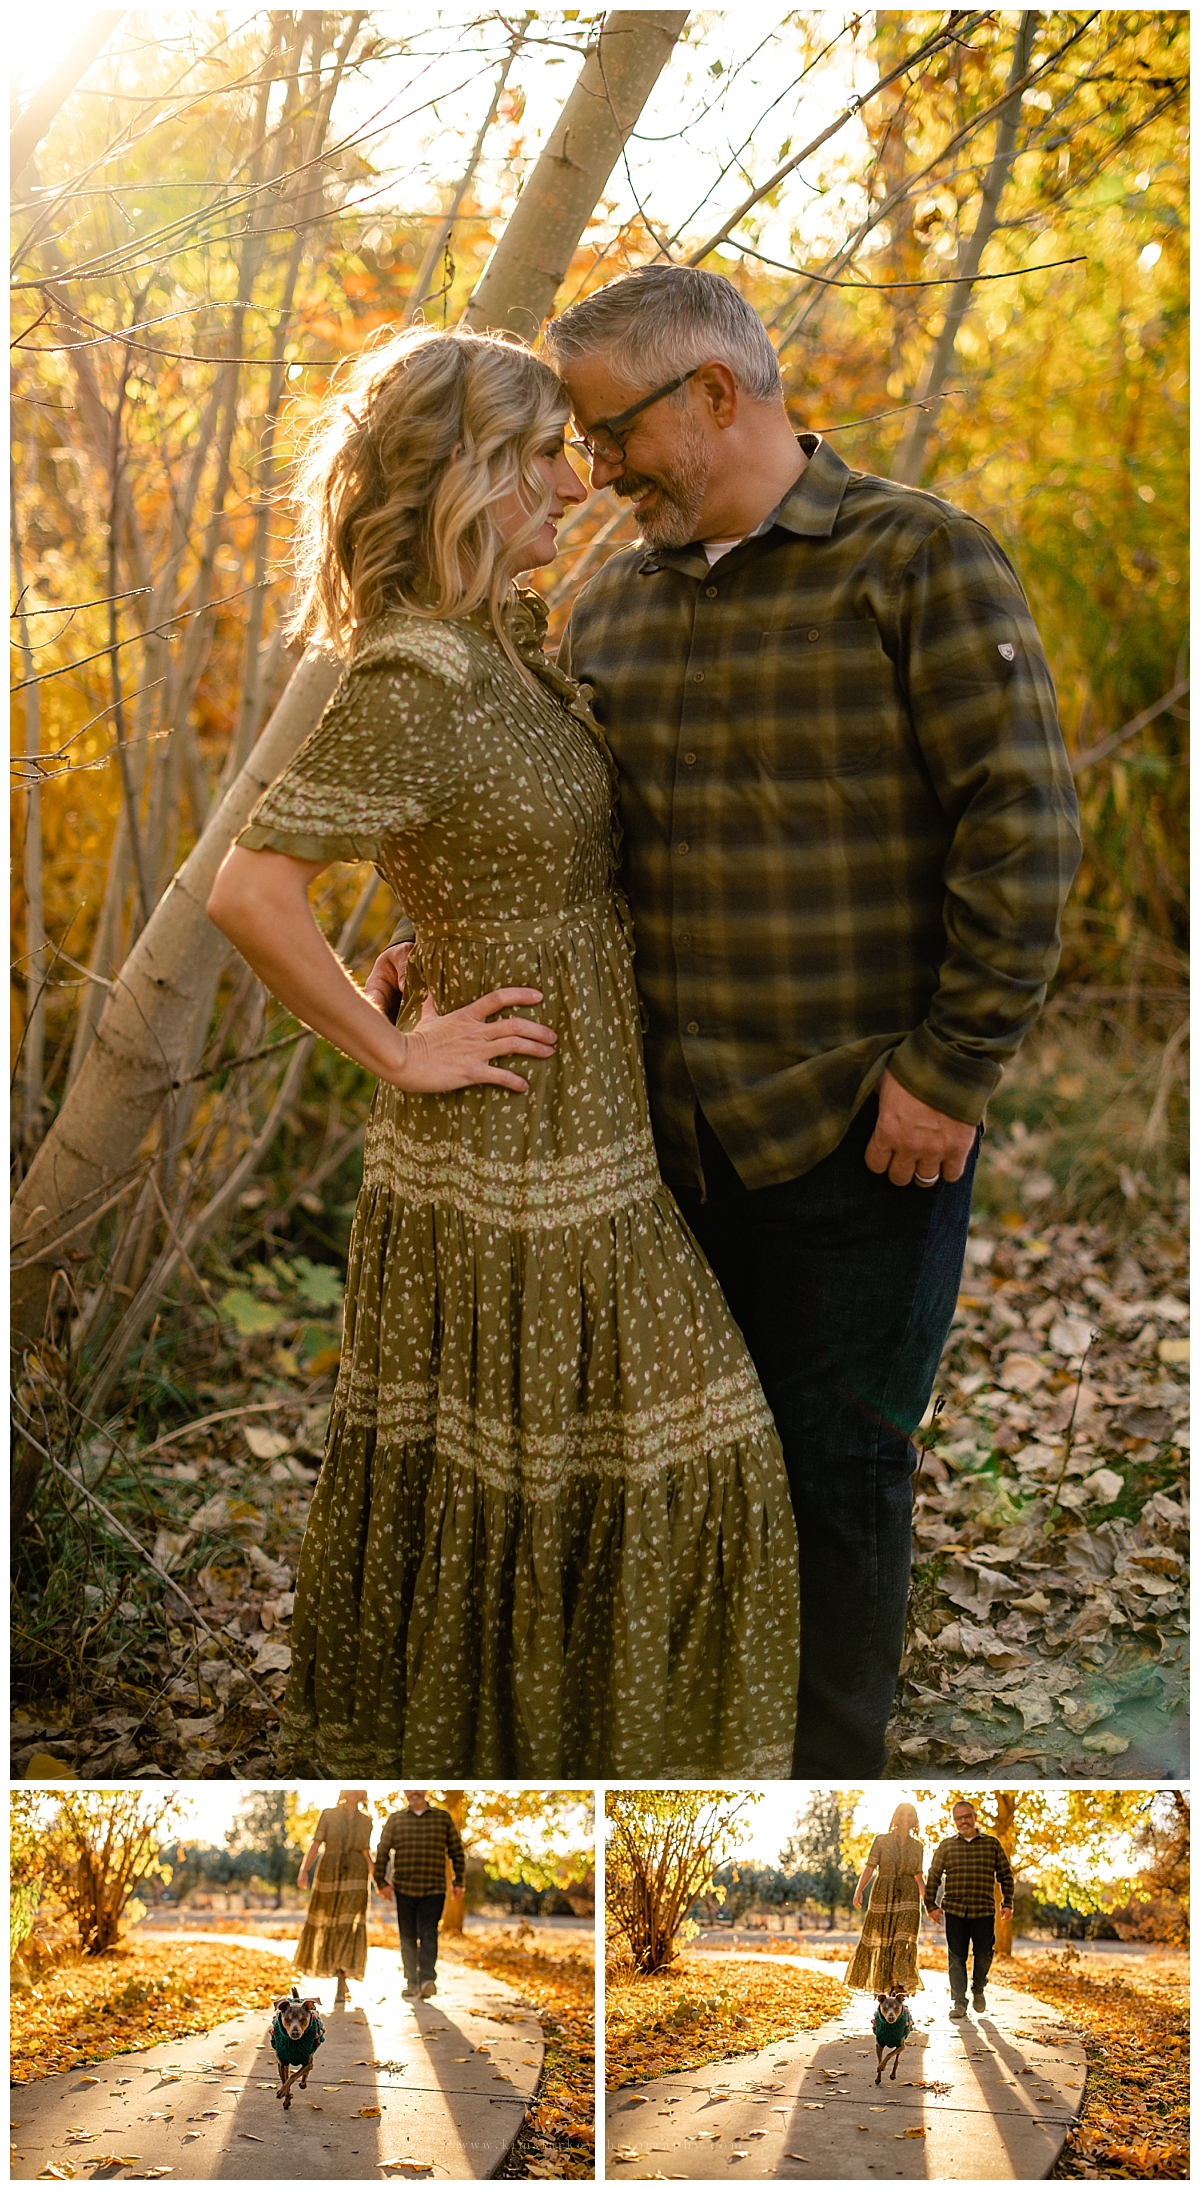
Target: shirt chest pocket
{"points": [[826, 699]]}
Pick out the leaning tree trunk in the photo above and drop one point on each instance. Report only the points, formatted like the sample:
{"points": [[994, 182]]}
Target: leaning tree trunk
{"points": [[911, 455], [526, 269], [149, 1022]]}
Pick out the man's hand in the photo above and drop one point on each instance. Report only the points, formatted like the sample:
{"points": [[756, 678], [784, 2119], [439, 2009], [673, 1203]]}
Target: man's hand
{"points": [[388, 1892], [1006, 1908], [935, 1915], [384, 985], [911, 1138], [456, 1893]]}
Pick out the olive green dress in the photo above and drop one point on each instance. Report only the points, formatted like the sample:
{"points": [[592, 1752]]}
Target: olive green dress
{"points": [[335, 1930], [886, 1953], [552, 1531]]}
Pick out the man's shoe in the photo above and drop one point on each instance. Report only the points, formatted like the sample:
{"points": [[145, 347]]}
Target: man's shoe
{"points": [[979, 2002], [428, 1989], [411, 1992], [957, 2013]]}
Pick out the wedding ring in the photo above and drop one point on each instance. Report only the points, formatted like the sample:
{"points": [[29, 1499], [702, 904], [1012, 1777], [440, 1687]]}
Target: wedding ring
{"points": [[919, 1181]]}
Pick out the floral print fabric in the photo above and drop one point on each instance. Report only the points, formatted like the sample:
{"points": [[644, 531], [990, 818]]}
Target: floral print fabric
{"points": [[552, 1531]]}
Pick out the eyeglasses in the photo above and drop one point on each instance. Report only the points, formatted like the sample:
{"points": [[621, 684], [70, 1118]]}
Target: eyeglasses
{"points": [[596, 444]]}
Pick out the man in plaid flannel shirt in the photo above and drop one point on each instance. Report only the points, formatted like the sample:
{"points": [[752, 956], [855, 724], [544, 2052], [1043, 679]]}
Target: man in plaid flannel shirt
{"points": [[849, 830], [972, 1865], [419, 1842]]}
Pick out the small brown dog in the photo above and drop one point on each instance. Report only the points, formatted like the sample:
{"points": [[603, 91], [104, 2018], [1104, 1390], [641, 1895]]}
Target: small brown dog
{"points": [[296, 2033], [892, 2025]]}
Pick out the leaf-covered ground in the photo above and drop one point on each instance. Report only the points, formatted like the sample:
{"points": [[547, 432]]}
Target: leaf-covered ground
{"points": [[558, 2136], [1048, 1620], [142, 1994], [1047, 1630], [706, 2009], [1134, 2025]]}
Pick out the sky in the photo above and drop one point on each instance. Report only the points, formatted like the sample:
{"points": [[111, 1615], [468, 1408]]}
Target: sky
{"points": [[734, 78]]}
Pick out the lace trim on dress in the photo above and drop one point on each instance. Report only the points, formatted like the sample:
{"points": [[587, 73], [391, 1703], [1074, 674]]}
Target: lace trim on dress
{"points": [[298, 806], [515, 1197], [539, 1463]]}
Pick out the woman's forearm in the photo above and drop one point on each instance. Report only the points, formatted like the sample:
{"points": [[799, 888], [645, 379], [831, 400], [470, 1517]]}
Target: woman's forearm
{"points": [[260, 901]]}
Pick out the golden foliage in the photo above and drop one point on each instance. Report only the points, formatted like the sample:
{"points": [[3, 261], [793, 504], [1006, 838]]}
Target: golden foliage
{"points": [[141, 1993], [693, 2013], [1134, 2025]]}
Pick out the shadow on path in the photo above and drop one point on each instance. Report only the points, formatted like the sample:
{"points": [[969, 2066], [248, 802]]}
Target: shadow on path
{"points": [[987, 2099], [441, 2084]]}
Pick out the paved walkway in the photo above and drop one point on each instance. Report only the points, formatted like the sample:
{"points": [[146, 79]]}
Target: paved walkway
{"points": [[990, 2099], [443, 2082]]}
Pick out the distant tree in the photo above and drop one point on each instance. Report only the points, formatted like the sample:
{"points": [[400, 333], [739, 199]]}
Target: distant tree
{"points": [[818, 1850], [98, 1849], [664, 1847], [263, 1830]]}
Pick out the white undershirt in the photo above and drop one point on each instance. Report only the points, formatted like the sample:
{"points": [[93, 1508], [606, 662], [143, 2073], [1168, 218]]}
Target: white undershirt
{"points": [[715, 549]]}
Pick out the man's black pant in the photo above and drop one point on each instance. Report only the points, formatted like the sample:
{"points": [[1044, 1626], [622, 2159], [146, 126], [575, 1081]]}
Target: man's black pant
{"points": [[418, 1916], [963, 1932], [844, 1287]]}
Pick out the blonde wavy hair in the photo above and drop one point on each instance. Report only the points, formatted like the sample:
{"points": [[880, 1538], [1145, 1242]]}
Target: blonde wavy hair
{"points": [[905, 1809], [401, 475]]}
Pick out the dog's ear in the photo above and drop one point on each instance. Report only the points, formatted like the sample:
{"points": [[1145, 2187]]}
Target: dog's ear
{"points": [[310, 2003]]}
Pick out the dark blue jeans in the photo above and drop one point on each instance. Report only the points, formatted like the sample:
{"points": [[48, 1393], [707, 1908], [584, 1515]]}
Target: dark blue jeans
{"points": [[418, 1916], [963, 1933], [844, 1287]]}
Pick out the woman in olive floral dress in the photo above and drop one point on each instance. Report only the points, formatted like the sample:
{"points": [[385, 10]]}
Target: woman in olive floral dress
{"points": [[333, 1942], [886, 1954], [552, 1532]]}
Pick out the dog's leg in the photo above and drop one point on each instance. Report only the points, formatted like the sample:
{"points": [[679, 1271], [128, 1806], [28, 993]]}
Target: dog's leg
{"points": [[896, 2061], [878, 2062]]}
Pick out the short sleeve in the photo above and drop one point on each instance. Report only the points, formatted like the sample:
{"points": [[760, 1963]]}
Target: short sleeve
{"points": [[382, 760], [876, 1850]]}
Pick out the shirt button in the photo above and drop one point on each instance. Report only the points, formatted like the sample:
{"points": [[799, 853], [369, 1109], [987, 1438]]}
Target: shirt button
{"points": [[690, 758], [693, 1026], [684, 941], [685, 847], [697, 676], [814, 634], [711, 592]]}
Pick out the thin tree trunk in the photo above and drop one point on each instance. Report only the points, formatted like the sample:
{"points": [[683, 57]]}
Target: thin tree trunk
{"points": [[146, 1026], [33, 1054], [911, 456], [444, 232], [29, 129], [522, 278]]}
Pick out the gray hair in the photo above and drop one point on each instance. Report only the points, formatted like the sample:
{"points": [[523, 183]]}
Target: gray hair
{"points": [[662, 320]]}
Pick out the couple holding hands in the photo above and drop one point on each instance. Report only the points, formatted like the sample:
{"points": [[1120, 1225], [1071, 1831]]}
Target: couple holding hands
{"points": [[720, 929], [960, 1892]]}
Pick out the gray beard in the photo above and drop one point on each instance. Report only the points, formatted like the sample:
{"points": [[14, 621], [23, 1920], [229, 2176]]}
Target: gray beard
{"points": [[681, 493]]}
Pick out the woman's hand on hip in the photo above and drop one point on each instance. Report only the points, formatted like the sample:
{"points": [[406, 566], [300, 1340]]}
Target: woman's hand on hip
{"points": [[442, 1053]]}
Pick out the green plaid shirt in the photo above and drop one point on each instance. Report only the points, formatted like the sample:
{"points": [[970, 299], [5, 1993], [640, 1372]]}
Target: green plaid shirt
{"points": [[849, 820], [420, 1848], [972, 1870]]}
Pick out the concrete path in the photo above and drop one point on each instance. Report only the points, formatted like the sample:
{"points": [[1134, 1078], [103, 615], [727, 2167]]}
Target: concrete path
{"points": [[986, 2100], [441, 2084]]}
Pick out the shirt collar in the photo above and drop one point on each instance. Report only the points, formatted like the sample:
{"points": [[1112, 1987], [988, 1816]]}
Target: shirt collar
{"points": [[810, 509]]}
